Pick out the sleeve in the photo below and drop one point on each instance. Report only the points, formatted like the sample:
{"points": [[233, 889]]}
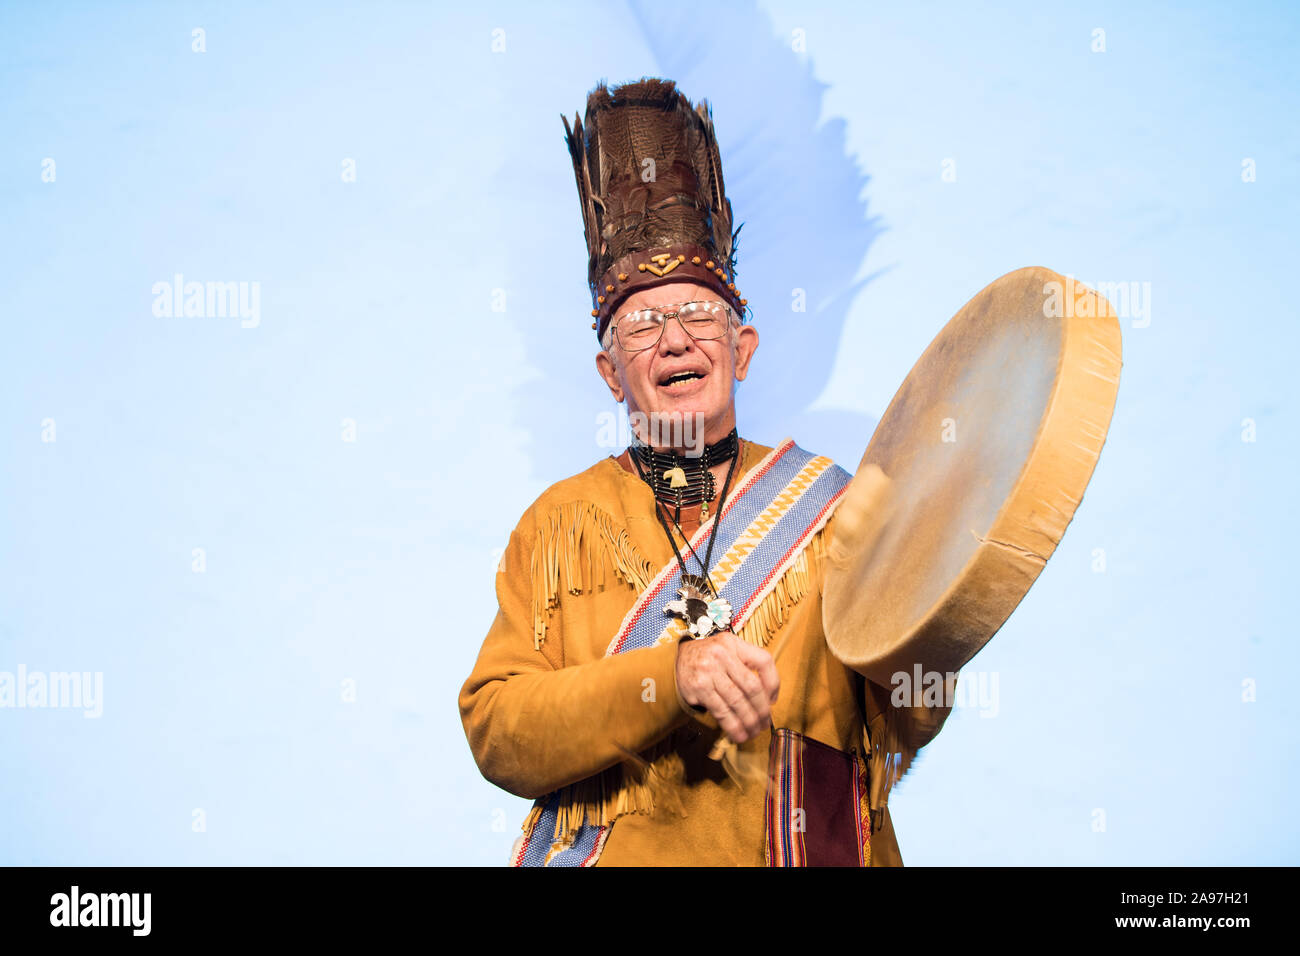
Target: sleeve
{"points": [[535, 725]]}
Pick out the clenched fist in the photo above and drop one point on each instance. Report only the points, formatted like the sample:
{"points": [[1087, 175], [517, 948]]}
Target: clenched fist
{"points": [[735, 680]]}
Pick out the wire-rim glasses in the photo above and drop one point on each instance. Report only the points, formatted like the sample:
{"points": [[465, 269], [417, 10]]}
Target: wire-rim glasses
{"points": [[702, 320]]}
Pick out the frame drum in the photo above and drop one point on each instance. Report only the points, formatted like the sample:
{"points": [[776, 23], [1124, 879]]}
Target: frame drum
{"points": [[988, 445]]}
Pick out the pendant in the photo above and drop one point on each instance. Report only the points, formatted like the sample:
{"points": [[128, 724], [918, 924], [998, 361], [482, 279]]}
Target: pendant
{"points": [[699, 608], [704, 511], [675, 477]]}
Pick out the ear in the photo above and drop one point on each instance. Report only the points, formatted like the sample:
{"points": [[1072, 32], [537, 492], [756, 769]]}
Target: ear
{"points": [[746, 345], [605, 366]]}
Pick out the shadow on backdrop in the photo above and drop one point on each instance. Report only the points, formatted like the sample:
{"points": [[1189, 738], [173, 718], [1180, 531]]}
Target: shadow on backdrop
{"points": [[805, 236]]}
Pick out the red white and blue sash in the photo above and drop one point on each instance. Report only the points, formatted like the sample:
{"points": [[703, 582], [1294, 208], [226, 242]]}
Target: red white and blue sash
{"points": [[766, 522]]}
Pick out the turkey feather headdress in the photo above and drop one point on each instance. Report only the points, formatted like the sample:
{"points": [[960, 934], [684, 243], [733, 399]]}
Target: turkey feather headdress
{"points": [[653, 202]]}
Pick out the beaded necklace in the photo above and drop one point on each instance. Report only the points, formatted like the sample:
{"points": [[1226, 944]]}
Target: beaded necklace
{"points": [[699, 605]]}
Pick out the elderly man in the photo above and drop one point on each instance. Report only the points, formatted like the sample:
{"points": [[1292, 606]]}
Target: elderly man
{"points": [[657, 677]]}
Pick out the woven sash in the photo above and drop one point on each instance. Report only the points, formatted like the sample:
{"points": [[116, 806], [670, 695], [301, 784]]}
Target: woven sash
{"points": [[768, 519]]}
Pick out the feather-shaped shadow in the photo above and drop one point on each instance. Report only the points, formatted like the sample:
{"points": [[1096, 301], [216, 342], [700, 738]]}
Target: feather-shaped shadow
{"points": [[806, 235]]}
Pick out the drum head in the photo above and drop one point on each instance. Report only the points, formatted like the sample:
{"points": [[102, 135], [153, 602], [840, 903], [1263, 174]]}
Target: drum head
{"points": [[989, 445]]}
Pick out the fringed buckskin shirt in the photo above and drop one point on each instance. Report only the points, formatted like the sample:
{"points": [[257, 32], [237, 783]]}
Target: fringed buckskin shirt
{"points": [[545, 709]]}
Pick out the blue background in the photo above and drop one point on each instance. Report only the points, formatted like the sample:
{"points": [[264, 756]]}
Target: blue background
{"points": [[439, 302]]}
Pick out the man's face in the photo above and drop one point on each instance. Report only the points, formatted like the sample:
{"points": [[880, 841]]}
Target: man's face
{"points": [[642, 378]]}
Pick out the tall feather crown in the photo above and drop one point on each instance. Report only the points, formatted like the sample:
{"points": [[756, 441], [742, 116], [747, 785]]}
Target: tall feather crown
{"points": [[653, 203]]}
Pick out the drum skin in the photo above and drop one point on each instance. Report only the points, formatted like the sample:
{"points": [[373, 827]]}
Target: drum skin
{"points": [[988, 446]]}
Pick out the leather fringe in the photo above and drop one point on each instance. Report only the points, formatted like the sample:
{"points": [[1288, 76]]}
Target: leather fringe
{"points": [[890, 759], [580, 548], [898, 733], [634, 786]]}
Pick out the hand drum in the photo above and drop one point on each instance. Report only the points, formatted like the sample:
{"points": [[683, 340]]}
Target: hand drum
{"points": [[988, 445]]}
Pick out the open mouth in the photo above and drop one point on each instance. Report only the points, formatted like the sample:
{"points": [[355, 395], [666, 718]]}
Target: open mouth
{"points": [[680, 379]]}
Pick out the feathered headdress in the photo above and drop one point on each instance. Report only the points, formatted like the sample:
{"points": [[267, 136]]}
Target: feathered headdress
{"points": [[653, 203]]}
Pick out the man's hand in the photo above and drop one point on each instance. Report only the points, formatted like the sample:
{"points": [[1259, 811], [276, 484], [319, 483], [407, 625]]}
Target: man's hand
{"points": [[861, 517], [735, 680]]}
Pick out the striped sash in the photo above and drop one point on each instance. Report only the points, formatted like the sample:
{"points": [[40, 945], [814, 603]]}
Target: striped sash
{"points": [[768, 519]]}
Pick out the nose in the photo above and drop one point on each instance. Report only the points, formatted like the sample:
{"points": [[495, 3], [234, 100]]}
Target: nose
{"points": [[675, 338]]}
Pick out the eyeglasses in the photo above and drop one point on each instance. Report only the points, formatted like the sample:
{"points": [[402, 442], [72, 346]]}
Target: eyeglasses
{"points": [[642, 329]]}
